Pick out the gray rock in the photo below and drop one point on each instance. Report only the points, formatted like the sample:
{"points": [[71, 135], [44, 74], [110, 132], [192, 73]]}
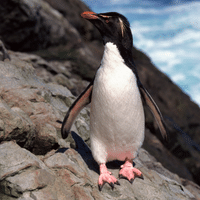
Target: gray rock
{"points": [[3, 52], [168, 160], [29, 110], [73, 175], [35, 24], [25, 196], [72, 9], [29, 107], [6, 197], [20, 170], [54, 71], [31, 180]]}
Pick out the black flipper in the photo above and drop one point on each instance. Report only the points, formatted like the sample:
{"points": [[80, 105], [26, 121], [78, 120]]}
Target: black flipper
{"points": [[154, 109], [83, 100]]}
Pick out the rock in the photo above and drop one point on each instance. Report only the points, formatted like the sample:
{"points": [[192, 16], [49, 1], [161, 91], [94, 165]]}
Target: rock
{"points": [[3, 52], [29, 107], [14, 159], [193, 188], [35, 25], [60, 72], [168, 160], [75, 171], [68, 174], [28, 181], [72, 10], [16, 125]]}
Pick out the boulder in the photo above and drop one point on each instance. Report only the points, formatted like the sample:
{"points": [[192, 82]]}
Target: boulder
{"points": [[30, 113], [34, 26], [30, 25], [3, 52], [29, 108], [72, 10], [69, 174]]}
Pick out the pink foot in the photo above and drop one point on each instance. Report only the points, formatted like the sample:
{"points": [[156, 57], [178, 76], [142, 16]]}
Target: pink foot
{"points": [[129, 172], [106, 177]]}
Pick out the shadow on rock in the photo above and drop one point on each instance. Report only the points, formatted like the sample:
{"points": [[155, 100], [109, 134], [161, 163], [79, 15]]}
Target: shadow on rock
{"points": [[85, 152]]}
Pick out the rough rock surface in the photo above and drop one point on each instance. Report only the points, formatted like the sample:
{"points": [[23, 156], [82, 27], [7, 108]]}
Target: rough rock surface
{"points": [[3, 52], [29, 108], [32, 21], [35, 25], [72, 9], [29, 112], [66, 175]]}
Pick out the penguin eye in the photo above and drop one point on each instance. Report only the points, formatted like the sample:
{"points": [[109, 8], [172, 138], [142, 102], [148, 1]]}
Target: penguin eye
{"points": [[106, 18]]}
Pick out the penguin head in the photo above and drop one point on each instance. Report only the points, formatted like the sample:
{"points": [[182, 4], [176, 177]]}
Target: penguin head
{"points": [[113, 27]]}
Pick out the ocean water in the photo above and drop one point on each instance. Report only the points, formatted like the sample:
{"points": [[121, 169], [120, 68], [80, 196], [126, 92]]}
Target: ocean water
{"points": [[168, 32]]}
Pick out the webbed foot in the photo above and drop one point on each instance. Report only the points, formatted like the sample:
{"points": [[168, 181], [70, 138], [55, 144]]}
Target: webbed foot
{"points": [[106, 177], [129, 172]]}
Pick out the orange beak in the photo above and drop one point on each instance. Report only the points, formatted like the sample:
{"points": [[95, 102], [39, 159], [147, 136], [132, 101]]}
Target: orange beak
{"points": [[89, 15]]}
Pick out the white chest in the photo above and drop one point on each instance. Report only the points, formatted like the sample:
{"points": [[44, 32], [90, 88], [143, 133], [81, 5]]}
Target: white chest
{"points": [[114, 81], [117, 118]]}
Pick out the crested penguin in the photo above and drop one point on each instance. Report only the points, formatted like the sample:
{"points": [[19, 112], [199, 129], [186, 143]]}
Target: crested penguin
{"points": [[117, 122]]}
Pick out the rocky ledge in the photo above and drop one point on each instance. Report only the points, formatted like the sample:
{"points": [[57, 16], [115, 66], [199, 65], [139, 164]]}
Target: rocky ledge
{"points": [[72, 174], [36, 163]]}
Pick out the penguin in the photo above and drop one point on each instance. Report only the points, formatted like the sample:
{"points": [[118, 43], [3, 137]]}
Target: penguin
{"points": [[117, 122]]}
